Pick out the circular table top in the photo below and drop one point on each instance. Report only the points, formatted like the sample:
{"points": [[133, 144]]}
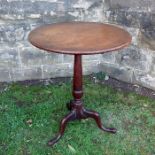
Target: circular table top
{"points": [[79, 38]]}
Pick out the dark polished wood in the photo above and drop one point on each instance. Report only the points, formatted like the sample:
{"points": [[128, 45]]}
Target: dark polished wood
{"points": [[79, 38], [76, 106], [77, 78]]}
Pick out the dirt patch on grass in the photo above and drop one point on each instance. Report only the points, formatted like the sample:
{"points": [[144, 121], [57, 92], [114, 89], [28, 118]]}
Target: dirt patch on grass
{"points": [[127, 87]]}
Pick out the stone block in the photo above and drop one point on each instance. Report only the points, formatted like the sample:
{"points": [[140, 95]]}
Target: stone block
{"points": [[152, 66], [91, 57], [41, 7], [147, 41], [85, 10], [94, 12], [21, 74], [68, 58], [90, 67], [152, 5], [53, 58], [129, 18], [148, 33], [134, 57], [30, 7], [16, 7], [31, 56], [5, 75], [135, 33], [82, 4], [4, 7], [13, 32], [118, 72], [57, 70], [8, 57], [62, 17], [144, 79], [133, 4], [108, 57]]}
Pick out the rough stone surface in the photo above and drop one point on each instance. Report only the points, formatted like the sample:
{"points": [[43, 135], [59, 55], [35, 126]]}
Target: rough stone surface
{"points": [[137, 17], [134, 57], [117, 71], [19, 60]]}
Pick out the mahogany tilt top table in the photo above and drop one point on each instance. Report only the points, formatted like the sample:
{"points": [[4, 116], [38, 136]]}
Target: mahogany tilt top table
{"points": [[79, 38]]}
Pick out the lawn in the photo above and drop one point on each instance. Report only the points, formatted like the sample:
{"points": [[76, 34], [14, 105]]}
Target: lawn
{"points": [[30, 116]]}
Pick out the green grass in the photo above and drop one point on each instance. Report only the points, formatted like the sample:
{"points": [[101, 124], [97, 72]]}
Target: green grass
{"points": [[30, 116]]}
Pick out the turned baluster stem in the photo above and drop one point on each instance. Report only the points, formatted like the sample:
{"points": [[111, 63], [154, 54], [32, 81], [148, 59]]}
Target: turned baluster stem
{"points": [[77, 78]]}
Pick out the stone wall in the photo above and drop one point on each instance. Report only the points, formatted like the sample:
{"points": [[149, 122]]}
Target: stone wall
{"points": [[136, 63], [21, 61]]}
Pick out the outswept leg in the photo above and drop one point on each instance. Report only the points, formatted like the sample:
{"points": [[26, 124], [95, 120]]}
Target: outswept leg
{"points": [[79, 112], [64, 121], [95, 115]]}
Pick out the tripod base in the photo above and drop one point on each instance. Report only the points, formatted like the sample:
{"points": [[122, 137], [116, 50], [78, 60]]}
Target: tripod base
{"points": [[77, 111]]}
